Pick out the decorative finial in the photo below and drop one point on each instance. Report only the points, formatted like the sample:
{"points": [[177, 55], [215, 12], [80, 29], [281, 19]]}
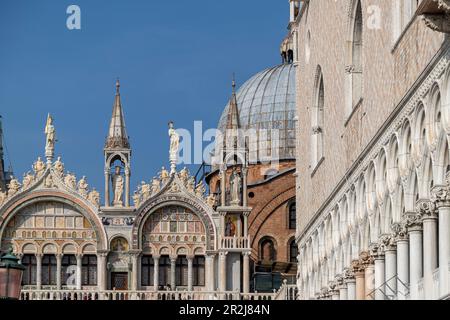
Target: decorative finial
{"points": [[233, 83], [117, 86]]}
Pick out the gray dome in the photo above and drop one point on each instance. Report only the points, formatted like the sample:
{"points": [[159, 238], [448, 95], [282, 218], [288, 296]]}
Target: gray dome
{"points": [[267, 101]]}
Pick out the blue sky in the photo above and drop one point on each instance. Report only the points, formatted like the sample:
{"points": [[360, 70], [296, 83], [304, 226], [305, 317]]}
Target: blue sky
{"points": [[174, 59]]}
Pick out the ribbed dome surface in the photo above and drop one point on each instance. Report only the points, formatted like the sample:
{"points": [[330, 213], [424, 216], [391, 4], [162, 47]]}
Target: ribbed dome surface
{"points": [[267, 101]]}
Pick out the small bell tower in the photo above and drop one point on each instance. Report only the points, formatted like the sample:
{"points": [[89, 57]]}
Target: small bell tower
{"points": [[117, 158], [234, 240]]}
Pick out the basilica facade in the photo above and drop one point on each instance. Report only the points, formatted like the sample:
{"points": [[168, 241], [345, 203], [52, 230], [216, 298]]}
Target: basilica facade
{"points": [[373, 149]]}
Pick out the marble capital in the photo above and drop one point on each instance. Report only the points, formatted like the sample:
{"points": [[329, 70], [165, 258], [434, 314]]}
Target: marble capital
{"points": [[440, 196], [426, 209]]}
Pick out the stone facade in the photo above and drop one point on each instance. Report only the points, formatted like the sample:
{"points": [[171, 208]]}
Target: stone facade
{"points": [[375, 80]]}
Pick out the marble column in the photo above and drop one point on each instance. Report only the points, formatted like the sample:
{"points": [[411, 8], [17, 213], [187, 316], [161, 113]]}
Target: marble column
{"points": [[343, 292], [135, 258], [351, 288], [369, 277], [39, 271], [441, 198], [379, 276], [79, 258], [127, 187], [155, 272], [402, 264], [415, 255], [190, 260], [246, 272], [58, 271], [360, 285], [335, 295], [222, 271], [101, 270], [209, 272], [430, 254], [107, 176], [173, 265], [391, 271]]}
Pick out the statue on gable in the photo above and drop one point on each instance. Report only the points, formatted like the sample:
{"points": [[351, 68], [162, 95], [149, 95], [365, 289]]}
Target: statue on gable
{"points": [[184, 175], [136, 199], [235, 187], [156, 186], [2, 197], [28, 180], [174, 146], [118, 184], [164, 176], [50, 133], [94, 197], [174, 187], [211, 199], [83, 187], [191, 185], [200, 189], [59, 167], [39, 167], [13, 187], [145, 190], [70, 181], [48, 183]]}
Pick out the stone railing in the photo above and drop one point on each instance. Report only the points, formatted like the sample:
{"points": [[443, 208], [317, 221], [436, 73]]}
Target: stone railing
{"points": [[235, 243], [287, 292], [140, 295]]}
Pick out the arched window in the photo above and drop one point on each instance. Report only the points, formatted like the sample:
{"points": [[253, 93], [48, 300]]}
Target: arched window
{"points": [[198, 266], [356, 71], [68, 270], [29, 274], [89, 270], [293, 251], [317, 121], [49, 270], [147, 270], [292, 216], [268, 251]]}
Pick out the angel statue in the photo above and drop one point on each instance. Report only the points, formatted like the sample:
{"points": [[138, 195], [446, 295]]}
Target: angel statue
{"points": [[83, 187]]}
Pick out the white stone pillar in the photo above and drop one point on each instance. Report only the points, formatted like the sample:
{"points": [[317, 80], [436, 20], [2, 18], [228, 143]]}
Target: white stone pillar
{"points": [[379, 277], [416, 258], [369, 277], [391, 271], [222, 271], [127, 187], [39, 271], [107, 176], [155, 272], [101, 270], [343, 293], [58, 271], [190, 260], [246, 272], [209, 272], [79, 258], [430, 254], [173, 266], [360, 285], [441, 198], [351, 288], [134, 270], [402, 265]]}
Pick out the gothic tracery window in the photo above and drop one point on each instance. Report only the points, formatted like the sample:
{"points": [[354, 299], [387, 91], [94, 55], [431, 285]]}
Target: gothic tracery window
{"points": [[292, 215], [317, 121]]}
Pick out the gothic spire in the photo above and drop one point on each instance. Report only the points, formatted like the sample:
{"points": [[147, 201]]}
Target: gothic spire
{"points": [[233, 111], [117, 135]]}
